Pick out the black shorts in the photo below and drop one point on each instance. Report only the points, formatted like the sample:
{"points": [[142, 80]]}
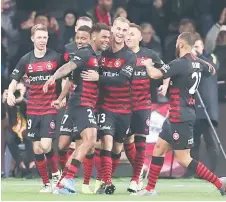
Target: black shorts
{"points": [[68, 127], [140, 122], [82, 117], [178, 135], [114, 124], [41, 126]]}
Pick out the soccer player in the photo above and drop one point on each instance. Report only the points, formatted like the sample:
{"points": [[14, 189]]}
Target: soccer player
{"points": [[141, 103], [83, 100], [185, 73], [39, 65], [115, 109]]}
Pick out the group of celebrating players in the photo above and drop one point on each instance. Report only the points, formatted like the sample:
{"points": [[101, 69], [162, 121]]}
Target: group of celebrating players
{"points": [[108, 78]]}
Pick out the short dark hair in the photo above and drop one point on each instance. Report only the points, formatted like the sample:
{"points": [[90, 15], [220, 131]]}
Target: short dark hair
{"points": [[188, 37], [133, 25], [98, 27], [84, 29], [185, 21], [197, 37]]}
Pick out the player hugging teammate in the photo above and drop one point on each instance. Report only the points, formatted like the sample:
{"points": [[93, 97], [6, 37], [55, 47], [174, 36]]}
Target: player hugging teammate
{"points": [[121, 81]]}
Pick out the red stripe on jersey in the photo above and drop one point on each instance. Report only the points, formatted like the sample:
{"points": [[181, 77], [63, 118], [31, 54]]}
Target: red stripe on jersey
{"points": [[113, 94], [117, 105], [140, 61], [134, 88], [146, 81], [174, 102], [38, 113], [41, 66], [41, 85], [92, 62], [89, 84], [118, 100], [173, 119], [90, 90], [174, 90], [141, 107], [112, 62], [66, 57], [120, 111], [174, 96], [50, 97], [126, 88]]}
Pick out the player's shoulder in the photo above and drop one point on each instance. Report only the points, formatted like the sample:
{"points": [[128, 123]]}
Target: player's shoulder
{"points": [[71, 47], [27, 56], [147, 51], [128, 54]]}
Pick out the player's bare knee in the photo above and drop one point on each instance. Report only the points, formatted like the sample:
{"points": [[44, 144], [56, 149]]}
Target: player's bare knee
{"points": [[159, 150], [107, 141], [91, 151], [183, 157], [129, 140], [117, 147], [37, 148]]}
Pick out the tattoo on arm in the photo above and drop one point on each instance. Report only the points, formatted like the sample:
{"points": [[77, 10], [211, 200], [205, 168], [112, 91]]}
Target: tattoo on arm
{"points": [[64, 70]]}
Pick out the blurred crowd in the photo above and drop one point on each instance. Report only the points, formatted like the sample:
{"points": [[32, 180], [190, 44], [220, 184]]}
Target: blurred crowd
{"points": [[161, 22]]}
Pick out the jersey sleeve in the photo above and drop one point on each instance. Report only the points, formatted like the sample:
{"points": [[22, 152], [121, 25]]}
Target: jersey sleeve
{"points": [[128, 67], [206, 70], [80, 57], [158, 63], [20, 70], [171, 69]]}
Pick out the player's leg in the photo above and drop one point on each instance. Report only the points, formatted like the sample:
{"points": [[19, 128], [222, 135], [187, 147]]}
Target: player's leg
{"points": [[48, 134], [41, 164], [86, 124], [183, 141], [33, 133], [107, 131], [139, 127], [162, 146], [183, 157], [98, 148], [130, 149], [88, 165]]}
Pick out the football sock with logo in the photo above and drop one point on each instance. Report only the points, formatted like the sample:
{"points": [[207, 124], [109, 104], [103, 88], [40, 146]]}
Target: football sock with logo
{"points": [[52, 160], [155, 168], [88, 164], [203, 172], [130, 152], [115, 161], [98, 164], [140, 144], [41, 164], [106, 162], [73, 169]]}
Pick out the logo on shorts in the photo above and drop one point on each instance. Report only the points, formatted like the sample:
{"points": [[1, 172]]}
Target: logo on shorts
{"points": [[176, 136], [191, 141], [31, 134], [148, 122], [52, 125]]}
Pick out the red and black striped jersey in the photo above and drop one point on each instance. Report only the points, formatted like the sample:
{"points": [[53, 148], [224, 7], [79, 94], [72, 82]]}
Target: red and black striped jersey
{"points": [[117, 98], [39, 70], [69, 50], [141, 83], [185, 74], [86, 92]]}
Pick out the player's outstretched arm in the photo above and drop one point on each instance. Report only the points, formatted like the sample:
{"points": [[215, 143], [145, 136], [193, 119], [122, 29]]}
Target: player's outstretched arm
{"points": [[212, 70], [61, 72], [153, 72]]}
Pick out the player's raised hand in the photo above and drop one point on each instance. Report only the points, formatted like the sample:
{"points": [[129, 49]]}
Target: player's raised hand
{"points": [[63, 103], [11, 100], [48, 83], [90, 75]]}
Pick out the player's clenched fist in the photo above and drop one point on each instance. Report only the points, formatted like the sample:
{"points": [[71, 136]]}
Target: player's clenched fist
{"points": [[148, 62]]}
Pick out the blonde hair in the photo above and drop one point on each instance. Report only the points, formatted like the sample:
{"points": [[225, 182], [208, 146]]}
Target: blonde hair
{"points": [[38, 27], [121, 19]]}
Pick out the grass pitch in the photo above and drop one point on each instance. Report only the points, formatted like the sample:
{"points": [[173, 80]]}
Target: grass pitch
{"points": [[167, 189]]}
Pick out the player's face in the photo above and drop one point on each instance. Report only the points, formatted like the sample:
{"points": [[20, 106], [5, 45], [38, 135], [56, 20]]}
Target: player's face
{"points": [[80, 23], [119, 31], [198, 47], [133, 38], [103, 40], [40, 39], [82, 39]]}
